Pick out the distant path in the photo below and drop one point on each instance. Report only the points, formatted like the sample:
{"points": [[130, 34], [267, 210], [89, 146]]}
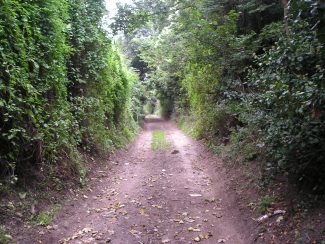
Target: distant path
{"points": [[173, 195]]}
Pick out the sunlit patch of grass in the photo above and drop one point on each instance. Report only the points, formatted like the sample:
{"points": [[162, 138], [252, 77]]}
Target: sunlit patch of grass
{"points": [[158, 141]]}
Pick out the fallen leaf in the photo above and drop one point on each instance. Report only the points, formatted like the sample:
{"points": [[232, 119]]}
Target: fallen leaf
{"points": [[218, 215], [143, 212], [178, 221], [190, 229], [279, 219], [86, 230], [157, 206], [10, 205], [8, 237], [22, 195], [210, 200], [118, 206], [189, 220], [135, 233], [221, 241], [197, 239], [195, 195], [165, 241]]}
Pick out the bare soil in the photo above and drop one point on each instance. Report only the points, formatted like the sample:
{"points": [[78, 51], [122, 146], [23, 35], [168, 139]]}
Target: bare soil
{"points": [[176, 194]]}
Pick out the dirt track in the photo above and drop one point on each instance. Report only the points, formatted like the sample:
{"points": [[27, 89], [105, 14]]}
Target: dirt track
{"points": [[162, 196]]}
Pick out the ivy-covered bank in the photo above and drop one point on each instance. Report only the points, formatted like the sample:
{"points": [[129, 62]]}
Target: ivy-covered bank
{"points": [[64, 89]]}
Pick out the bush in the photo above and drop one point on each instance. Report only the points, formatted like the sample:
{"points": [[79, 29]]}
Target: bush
{"points": [[289, 101]]}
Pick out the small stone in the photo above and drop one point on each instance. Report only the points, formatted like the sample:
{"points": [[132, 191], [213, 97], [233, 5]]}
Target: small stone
{"points": [[279, 219], [197, 239], [8, 237], [165, 241]]}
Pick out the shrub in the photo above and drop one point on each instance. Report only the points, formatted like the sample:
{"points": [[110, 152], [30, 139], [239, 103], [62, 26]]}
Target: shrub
{"points": [[289, 101]]}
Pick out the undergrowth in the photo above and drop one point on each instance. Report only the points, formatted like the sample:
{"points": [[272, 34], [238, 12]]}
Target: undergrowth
{"points": [[45, 218]]}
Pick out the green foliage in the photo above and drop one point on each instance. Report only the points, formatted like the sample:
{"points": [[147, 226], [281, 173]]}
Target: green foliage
{"points": [[64, 88], [166, 107], [149, 109], [265, 203], [34, 109], [243, 73], [186, 124], [44, 218], [128, 20], [244, 144], [289, 102]]}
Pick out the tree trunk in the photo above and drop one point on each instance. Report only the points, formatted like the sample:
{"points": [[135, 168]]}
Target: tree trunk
{"points": [[285, 13]]}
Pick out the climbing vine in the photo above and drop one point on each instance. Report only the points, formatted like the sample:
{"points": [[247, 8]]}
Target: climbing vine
{"points": [[64, 89]]}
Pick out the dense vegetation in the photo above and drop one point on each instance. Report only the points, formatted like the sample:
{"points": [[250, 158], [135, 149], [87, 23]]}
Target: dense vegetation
{"points": [[64, 88], [249, 74], [246, 72]]}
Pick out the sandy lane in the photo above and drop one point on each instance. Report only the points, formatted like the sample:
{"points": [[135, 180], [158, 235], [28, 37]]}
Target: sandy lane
{"points": [[172, 195]]}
